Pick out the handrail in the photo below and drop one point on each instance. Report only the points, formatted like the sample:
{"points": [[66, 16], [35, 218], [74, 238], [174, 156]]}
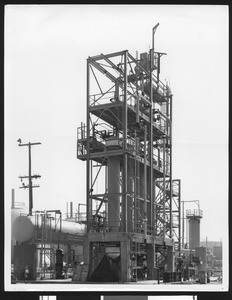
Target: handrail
{"points": [[194, 213]]}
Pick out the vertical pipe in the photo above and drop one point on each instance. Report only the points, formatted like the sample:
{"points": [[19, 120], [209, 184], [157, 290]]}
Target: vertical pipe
{"points": [[179, 216], [170, 161], [135, 185], [151, 141], [116, 91], [137, 106], [130, 187], [164, 191], [30, 182], [67, 210], [41, 250], [78, 213], [139, 203], [183, 224], [145, 179], [136, 172], [71, 209], [88, 204], [106, 191], [13, 198], [125, 159]]}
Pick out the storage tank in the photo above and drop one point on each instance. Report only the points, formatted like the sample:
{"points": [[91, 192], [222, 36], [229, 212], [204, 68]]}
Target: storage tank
{"points": [[17, 209], [23, 227]]}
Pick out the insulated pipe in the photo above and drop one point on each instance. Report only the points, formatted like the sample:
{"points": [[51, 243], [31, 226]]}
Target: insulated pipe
{"points": [[130, 186], [114, 190]]}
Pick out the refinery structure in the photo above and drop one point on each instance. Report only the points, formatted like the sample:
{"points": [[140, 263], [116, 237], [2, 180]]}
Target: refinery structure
{"points": [[131, 226]]}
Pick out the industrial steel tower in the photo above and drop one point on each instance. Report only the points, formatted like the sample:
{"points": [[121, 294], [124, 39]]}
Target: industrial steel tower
{"points": [[133, 205]]}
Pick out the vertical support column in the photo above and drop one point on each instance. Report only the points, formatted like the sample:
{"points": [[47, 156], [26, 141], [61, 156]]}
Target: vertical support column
{"points": [[150, 250], [171, 183], [164, 191], [151, 141], [129, 205], [135, 205], [170, 259], [30, 182], [87, 253], [88, 200], [183, 224], [125, 157], [125, 261], [149, 206], [179, 215], [145, 180], [106, 189]]}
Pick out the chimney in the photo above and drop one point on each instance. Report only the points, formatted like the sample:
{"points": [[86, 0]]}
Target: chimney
{"points": [[13, 198], [71, 209]]}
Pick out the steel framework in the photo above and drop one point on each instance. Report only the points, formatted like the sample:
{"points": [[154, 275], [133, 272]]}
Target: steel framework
{"points": [[126, 142]]}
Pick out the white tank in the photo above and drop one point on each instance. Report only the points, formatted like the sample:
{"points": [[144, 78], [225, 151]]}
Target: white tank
{"points": [[23, 227], [17, 209]]}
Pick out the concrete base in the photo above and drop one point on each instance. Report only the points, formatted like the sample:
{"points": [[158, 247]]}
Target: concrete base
{"points": [[95, 244], [25, 255]]}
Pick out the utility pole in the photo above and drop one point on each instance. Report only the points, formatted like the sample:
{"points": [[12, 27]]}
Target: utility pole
{"points": [[30, 186]]}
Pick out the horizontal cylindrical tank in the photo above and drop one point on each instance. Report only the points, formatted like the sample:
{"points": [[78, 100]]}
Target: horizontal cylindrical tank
{"points": [[24, 227]]}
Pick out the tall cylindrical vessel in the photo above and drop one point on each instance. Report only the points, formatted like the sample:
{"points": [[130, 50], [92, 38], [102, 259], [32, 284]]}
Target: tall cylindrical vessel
{"points": [[114, 190], [194, 232]]}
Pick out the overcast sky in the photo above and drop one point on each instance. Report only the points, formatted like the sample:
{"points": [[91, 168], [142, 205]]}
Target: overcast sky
{"points": [[46, 48]]}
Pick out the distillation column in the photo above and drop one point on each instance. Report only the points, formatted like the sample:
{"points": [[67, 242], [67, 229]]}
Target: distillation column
{"points": [[194, 217], [114, 193]]}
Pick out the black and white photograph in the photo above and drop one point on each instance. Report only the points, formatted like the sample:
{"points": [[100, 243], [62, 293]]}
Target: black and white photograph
{"points": [[116, 148]]}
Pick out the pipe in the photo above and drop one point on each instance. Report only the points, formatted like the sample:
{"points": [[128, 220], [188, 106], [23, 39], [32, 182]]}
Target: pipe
{"points": [[145, 180], [13, 198], [71, 209]]}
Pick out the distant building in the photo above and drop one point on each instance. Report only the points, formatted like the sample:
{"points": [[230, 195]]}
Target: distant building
{"points": [[217, 251], [210, 244]]}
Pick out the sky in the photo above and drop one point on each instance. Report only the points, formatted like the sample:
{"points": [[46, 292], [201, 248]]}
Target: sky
{"points": [[46, 48]]}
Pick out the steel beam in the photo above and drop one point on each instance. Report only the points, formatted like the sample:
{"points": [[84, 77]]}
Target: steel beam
{"points": [[125, 155]]}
